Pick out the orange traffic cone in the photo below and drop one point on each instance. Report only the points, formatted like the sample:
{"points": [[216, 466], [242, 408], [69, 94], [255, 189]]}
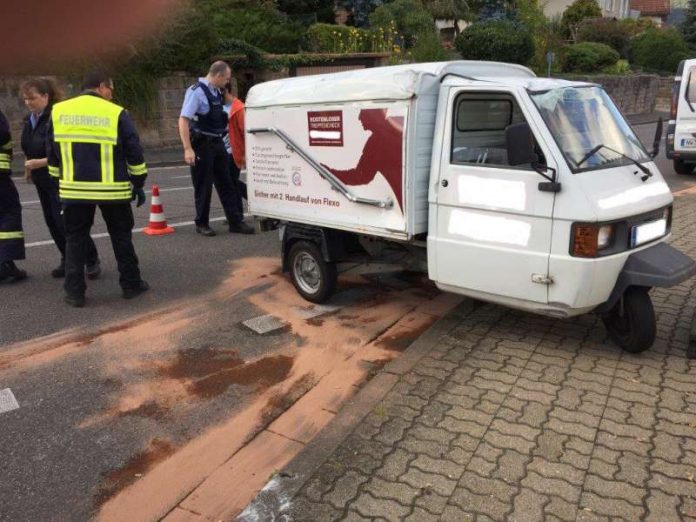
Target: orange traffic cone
{"points": [[158, 223]]}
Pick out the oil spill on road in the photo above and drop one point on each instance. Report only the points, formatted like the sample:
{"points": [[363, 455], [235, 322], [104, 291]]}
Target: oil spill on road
{"points": [[261, 374], [280, 402], [201, 362], [118, 479], [150, 410]]}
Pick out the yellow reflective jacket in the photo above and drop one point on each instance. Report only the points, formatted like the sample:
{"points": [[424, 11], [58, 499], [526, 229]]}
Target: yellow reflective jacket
{"points": [[94, 149]]}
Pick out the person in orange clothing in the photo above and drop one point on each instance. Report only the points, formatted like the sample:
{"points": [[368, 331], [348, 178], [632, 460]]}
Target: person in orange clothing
{"points": [[236, 137]]}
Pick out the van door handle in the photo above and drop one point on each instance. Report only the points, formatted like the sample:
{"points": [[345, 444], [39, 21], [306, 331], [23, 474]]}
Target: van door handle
{"points": [[444, 183]]}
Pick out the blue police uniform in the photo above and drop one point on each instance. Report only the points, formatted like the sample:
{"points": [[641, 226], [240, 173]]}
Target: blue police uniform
{"points": [[204, 107]]}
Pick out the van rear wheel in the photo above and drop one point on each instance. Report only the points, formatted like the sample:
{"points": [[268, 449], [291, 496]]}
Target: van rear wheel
{"points": [[313, 278], [683, 168], [631, 323]]}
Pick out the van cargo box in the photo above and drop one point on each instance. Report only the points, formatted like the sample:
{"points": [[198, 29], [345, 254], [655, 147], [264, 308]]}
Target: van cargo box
{"points": [[352, 150]]}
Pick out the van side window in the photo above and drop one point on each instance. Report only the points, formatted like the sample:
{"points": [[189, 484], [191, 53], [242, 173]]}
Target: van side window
{"points": [[480, 121]]}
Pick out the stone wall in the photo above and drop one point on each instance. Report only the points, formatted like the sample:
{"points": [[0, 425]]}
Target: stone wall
{"points": [[635, 94]]}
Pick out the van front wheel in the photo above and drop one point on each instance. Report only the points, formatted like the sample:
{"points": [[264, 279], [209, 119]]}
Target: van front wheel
{"points": [[631, 323], [314, 278], [683, 168]]}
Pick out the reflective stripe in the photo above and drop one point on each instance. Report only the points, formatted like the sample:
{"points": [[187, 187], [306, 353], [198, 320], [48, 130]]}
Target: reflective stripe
{"points": [[84, 138], [6, 146], [54, 171], [12, 235], [107, 165], [94, 185], [67, 161], [4, 156], [137, 170], [5, 165], [98, 196]]}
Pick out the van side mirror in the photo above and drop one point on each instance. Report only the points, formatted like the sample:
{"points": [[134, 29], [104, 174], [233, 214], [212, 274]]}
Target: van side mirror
{"points": [[520, 149], [657, 140], [520, 144]]}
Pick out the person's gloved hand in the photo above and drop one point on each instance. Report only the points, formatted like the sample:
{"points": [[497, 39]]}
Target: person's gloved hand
{"points": [[138, 196]]}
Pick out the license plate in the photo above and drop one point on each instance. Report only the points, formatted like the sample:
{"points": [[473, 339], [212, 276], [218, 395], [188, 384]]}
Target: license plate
{"points": [[648, 231], [688, 142]]}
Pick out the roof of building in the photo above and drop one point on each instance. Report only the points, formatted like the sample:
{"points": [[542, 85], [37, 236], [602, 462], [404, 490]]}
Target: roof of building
{"points": [[651, 7]]}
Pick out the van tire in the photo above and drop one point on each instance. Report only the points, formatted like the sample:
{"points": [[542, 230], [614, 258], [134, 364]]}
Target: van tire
{"points": [[683, 168], [313, 277], [631, 323]]}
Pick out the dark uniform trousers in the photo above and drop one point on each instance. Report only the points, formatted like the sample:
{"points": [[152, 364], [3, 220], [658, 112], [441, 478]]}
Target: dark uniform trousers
{"points": [[47, 189], [119, 222], [212, 168], [240, 186], [10, 220]]}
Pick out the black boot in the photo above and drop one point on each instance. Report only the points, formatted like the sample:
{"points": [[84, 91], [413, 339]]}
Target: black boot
{"points": [[10, 272], [59, 272]]}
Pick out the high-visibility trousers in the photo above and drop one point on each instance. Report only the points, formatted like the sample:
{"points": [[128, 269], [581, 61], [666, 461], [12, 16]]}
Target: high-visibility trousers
{"points": [[11, 234]]}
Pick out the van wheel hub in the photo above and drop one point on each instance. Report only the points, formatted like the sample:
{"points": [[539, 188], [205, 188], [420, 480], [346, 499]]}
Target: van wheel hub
{"points": [[308, 272]]}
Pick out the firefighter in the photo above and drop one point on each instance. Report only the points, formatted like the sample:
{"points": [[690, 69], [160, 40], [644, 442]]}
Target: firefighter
{"points": [[94, 150], [11, 234]]}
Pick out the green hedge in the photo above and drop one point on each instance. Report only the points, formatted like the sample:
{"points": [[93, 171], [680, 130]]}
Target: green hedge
{"points": [[498, 40], [588, 57], [330, 38], [659, 50]]}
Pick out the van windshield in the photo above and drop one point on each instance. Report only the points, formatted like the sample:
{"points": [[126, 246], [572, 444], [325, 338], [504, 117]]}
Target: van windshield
{"points": [[588, 128]]}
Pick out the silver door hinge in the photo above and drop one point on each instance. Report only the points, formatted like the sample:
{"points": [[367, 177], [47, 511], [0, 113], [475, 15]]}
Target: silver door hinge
{"points": [[542, 279]]}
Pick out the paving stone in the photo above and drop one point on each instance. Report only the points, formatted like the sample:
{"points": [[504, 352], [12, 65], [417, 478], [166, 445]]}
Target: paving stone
{"points": [[551, 486], [402, 493], [529, 506], [432, 502], [345, 489], [662, 507], [369, 506], [614, 489], [302, 510], [421, 515], [395, 464], [611, 507], [455, 514], [445, 467], [421, 480], [557, 470]]}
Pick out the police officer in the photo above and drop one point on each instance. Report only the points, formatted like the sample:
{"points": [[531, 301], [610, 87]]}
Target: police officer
{"points": [[94, 150], [11, 234], [202, 126]]}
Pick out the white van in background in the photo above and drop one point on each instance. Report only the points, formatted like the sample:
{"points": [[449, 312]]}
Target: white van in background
{"points": [[527, 192], [681, 129]]}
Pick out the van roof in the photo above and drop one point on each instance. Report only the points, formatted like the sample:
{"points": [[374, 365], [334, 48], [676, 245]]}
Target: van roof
{"points": [[396, 82]]}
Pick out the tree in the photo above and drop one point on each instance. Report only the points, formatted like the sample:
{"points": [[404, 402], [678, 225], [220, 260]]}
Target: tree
{"points": [[496, 40], [410, 17], [360, 9], [453, 10], [688, 27], [492, 10], [577, 12], [308, 11]]}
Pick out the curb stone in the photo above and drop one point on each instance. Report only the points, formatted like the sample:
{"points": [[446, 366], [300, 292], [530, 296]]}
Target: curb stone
{"points": [[275, 497]]}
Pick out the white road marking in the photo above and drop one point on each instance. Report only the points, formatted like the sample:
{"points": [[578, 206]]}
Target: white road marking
{"points": [[7, 401], [135, 230]]}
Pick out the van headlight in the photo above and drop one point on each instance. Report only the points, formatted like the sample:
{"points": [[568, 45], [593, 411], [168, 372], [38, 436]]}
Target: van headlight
{"points": [[589, 239]]}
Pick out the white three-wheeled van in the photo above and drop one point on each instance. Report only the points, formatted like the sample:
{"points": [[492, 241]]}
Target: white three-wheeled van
{"points": [[527, 192]]}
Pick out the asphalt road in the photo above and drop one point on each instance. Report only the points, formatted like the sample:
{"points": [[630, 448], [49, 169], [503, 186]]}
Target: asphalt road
{"points": [[108, 390]]}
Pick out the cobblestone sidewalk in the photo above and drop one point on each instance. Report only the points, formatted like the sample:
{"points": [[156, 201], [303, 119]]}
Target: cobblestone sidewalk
{"points": [[516, 417]]}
